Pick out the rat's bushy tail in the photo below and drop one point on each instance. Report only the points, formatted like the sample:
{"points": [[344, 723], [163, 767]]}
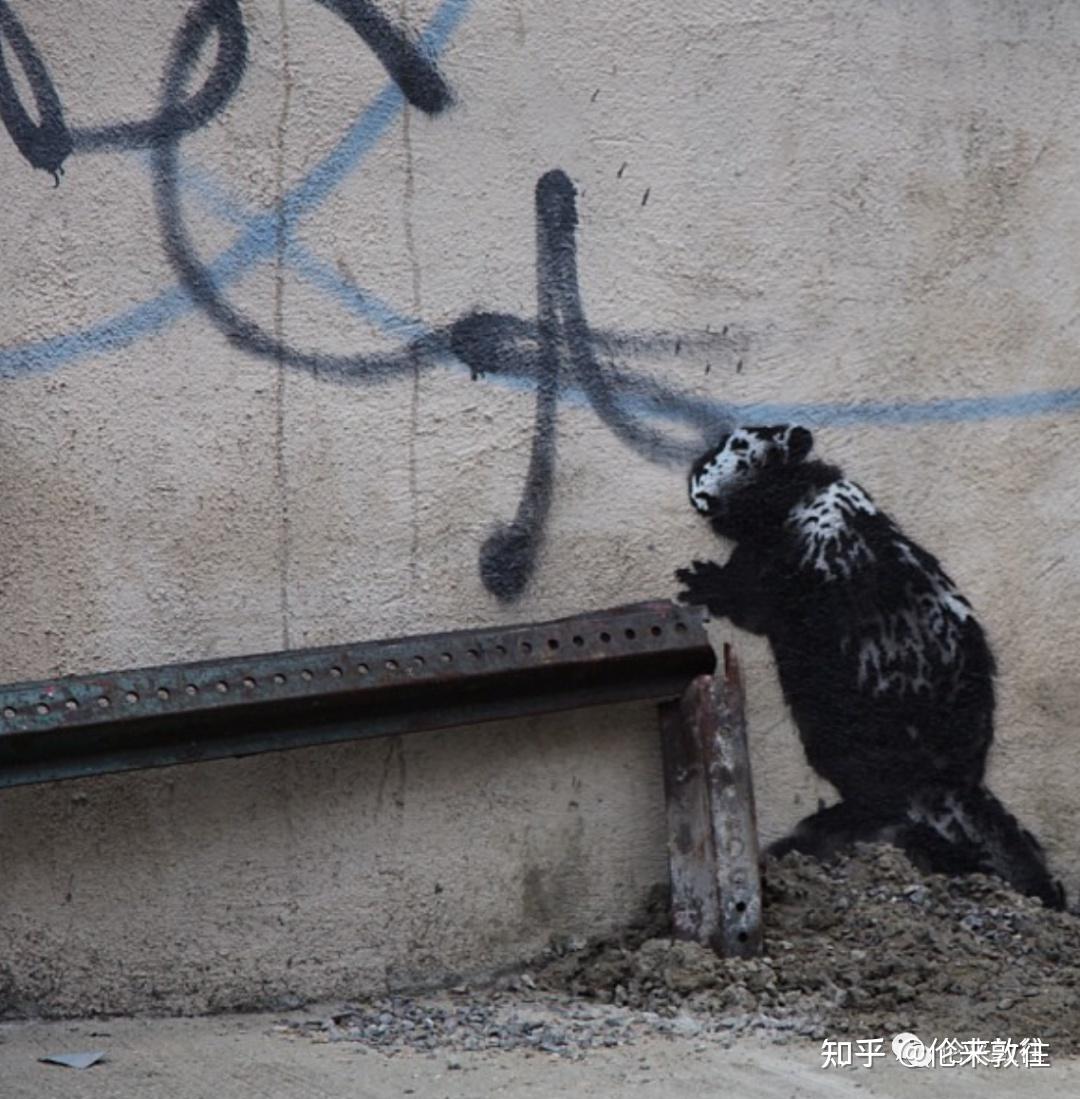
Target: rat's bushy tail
{"points": [[942, 830]]}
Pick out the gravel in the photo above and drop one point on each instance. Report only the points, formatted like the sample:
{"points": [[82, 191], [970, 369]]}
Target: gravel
{"points": [[866, 946]]}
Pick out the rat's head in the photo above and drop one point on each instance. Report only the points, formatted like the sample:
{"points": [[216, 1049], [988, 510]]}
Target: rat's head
{"points": [[745, 459]]}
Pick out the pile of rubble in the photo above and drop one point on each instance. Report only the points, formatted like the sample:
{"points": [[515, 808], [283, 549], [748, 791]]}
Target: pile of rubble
{"points": [[864, 947]]}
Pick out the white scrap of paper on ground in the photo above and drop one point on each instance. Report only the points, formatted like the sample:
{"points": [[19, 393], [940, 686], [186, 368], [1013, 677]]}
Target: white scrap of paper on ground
{"points": [[74, 1060]]}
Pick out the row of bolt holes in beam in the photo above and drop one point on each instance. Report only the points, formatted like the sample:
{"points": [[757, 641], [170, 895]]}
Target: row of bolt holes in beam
{"points": [[248, 683]]}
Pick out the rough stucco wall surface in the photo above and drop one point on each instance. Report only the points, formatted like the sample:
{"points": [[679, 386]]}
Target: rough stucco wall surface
{"points": [[859, 216], [322, 873]]}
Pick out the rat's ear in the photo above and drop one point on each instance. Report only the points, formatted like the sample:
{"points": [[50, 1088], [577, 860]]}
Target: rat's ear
{"points": [[799, 442]]}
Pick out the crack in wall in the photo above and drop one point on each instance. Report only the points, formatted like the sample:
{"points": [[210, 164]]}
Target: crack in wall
{"points": [[414, 397], [281, 472]]}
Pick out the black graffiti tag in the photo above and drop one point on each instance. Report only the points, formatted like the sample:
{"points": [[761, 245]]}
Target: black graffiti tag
{"points": [[564, 354], [488, 343], [556, 352]]}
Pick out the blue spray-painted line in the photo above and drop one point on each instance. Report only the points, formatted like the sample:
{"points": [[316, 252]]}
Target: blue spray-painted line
{"points": [[942, 410], [163, 310], [257, 240], [350, 151], [214, 196], [145, 319], [366, 306], [357, 300]]}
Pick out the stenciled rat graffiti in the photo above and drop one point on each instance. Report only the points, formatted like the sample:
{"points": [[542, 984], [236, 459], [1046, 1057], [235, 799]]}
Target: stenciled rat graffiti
{"points": [[557, 352], [887, 672]]}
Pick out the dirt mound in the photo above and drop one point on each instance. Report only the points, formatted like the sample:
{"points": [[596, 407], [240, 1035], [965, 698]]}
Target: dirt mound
{"points": [[867, 946]]}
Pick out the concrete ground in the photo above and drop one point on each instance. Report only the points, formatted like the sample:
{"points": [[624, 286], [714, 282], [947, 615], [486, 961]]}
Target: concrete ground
{"points": [[235, 1056]]}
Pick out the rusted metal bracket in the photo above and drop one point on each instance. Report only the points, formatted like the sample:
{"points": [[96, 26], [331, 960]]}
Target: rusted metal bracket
{"points": [[712, 830], [183, 713]]}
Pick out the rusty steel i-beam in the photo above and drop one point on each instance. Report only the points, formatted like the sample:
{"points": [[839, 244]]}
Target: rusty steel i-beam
{"points": [[184, 713], [187, 713]]}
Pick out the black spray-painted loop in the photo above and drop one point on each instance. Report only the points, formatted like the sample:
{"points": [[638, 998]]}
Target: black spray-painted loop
{"points": [[45, 144], [563, 339], [421, 85], [182, 115]]}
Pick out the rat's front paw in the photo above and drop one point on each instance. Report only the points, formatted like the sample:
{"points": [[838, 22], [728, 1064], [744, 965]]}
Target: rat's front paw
{"points": [[702, 582]]}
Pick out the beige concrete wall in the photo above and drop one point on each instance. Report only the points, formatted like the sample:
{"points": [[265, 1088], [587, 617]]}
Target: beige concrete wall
{"points": [[328, 872], [861, 215]]}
